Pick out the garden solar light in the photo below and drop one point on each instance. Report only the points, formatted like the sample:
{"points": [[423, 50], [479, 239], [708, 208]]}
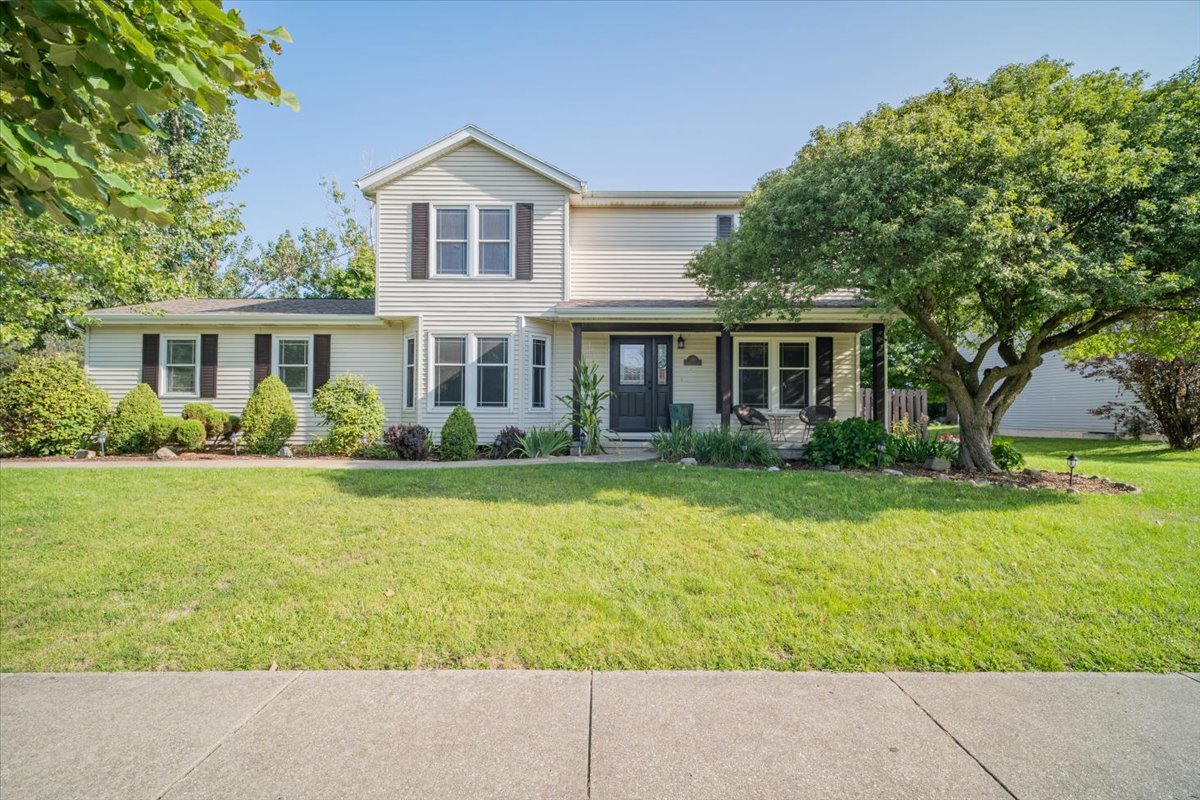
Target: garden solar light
{"points": [[234, 438], [1072, 462], [101, 438], [880, 449]]}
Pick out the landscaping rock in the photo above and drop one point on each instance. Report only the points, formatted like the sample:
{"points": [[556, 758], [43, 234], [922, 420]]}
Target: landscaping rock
{"points": [[937, 464], [687, 462], [1033, 473], [285, 452], [165, 454], [832, 468], [892, 472], [772, 469], [84, 454]]}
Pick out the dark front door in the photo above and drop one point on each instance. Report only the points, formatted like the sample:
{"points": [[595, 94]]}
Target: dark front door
{"points": [[640, 375]]}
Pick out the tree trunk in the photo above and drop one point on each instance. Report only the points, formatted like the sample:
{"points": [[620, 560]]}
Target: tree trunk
{"points": [[975, 436]]}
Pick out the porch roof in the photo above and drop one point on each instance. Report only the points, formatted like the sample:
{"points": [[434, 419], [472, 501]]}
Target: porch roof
{"points": [[844, 306]]}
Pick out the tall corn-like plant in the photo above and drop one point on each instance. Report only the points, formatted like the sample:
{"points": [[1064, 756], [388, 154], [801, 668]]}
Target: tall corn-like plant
{"points": [[586, 413]]}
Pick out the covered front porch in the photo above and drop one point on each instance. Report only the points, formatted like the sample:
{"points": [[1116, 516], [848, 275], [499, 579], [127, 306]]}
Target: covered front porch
{"points": [[653, 356]]}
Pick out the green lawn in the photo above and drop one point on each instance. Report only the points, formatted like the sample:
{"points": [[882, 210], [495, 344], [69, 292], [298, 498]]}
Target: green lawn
{"points": [[606, 566]]}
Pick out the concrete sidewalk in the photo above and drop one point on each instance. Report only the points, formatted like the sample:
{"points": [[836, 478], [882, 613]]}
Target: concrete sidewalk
{"points": [[695, 735]]}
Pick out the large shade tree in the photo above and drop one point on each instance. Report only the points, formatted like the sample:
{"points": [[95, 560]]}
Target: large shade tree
{"points": [[1021, 214]]}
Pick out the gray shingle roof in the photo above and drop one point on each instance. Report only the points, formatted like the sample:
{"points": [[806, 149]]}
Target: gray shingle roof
{"points": [[256, 305], [843, 299]]}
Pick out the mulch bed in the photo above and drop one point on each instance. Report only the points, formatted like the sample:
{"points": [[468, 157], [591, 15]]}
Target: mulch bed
{"points": [[1025, 479]]}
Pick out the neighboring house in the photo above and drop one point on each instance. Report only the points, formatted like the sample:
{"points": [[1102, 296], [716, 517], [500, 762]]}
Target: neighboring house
{"points": [[497, 273], [1057, 402]]}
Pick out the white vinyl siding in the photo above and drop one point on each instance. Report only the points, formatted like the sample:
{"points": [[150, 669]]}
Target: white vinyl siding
{"points": [[1057, 401], [637, 253], [114, 361]]}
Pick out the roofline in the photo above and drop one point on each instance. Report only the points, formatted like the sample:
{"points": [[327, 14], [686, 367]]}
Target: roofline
{"points": [[617, 313], [465, 135], [257, 318], [724, 199]]}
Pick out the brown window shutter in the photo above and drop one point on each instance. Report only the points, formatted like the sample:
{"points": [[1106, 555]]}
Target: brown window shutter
{"points": [[150, 360], [208, 365], [825, 371], [524, 271], [420, 241], [262, 357], [321, 344]]}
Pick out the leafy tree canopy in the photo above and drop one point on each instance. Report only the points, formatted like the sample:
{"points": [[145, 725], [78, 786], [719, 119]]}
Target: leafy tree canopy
{"points": [[1023, 213], [82, 84]]}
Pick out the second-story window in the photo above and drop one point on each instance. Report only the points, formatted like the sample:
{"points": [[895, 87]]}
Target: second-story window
{"points": [[452, 233], [495, 230]]}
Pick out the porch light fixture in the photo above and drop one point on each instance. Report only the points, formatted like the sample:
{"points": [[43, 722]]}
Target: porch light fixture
{"points": [[679, 343], [1072, 463]]}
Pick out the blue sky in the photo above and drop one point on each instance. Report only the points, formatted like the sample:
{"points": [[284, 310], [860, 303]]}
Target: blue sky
{"points": [[637, 96]]}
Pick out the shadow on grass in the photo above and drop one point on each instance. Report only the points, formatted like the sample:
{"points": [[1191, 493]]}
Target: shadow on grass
{"points": [[786, 496]]}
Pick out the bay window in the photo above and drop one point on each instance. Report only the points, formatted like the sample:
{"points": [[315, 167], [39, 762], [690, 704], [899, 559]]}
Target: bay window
{"points": [[491, 372], [410, 372], [539, 353]]}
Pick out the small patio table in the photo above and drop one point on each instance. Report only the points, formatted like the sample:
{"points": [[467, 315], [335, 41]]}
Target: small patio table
{"points": [[778, 421]]}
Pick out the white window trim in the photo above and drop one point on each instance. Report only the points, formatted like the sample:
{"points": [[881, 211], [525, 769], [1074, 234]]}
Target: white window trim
{"points": [[413, 371], [469, 379], [773, 382], [162, 363], [480, 241], [737, 223], [549, 361], [473, 241], [288, 337]]}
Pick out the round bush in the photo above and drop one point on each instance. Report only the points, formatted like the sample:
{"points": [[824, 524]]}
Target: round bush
{"points": [[162, 430], [269, 417], [458, 436], [191, 434], [214, 419], [848, 443], [352, 409], [129, 428], [48, 405]]}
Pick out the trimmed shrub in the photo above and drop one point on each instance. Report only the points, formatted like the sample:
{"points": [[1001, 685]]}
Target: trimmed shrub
{"points": [[214, 419], [723, 446], [1006, 456], [848, 443], [352, 409], [269, 417], [191, 434], [458, 436], [378, 452], [674, 444], [507, 442], [129, 427], [162, 430], [233, 425], [543, 443], [48, 406], [410, 442]]}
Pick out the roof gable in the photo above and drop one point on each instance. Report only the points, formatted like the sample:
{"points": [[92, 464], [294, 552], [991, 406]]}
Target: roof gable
{"points": [[370, 182]]}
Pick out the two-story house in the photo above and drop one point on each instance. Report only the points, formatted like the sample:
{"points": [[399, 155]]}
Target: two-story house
{"points": [[497, 273]]}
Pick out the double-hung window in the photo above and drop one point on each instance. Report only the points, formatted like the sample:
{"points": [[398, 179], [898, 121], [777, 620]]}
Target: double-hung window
{"points": [[491, 372], [410, 372], [793, 374], [449, 370], [754, 387], [292, 363], [539, 359], [453, 235], [179, 365], [495, 245]]}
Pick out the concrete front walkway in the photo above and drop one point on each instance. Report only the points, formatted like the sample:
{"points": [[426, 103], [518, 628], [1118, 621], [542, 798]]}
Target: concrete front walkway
{"points": [[248, 461], [696, 735]]}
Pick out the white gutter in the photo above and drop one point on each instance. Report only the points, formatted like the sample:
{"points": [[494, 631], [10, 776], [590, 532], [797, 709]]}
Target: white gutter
{"points": [[242, 318]]}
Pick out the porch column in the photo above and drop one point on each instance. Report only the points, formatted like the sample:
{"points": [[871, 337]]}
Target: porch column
{"points": [[576, 358], [879, 387], [725, 375]]}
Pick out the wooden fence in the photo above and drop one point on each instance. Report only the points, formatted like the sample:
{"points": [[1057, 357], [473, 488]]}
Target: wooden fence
{"points": [[911, 403]]}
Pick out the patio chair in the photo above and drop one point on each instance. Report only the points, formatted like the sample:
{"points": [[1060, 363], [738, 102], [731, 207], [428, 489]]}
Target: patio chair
{"points": [[751, 417], [812, 416]]}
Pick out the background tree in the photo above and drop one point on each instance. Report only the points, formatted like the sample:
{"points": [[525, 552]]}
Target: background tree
{"points": [[1156, 358], [336, 260], [909, 351], [1023, 213], [51, 272], [82, 84]]}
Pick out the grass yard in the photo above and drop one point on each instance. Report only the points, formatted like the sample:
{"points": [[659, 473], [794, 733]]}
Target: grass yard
{"points": [[607, 566]]}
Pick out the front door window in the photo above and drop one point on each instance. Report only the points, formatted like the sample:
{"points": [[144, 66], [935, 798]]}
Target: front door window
{"points": [[633, 364]]}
